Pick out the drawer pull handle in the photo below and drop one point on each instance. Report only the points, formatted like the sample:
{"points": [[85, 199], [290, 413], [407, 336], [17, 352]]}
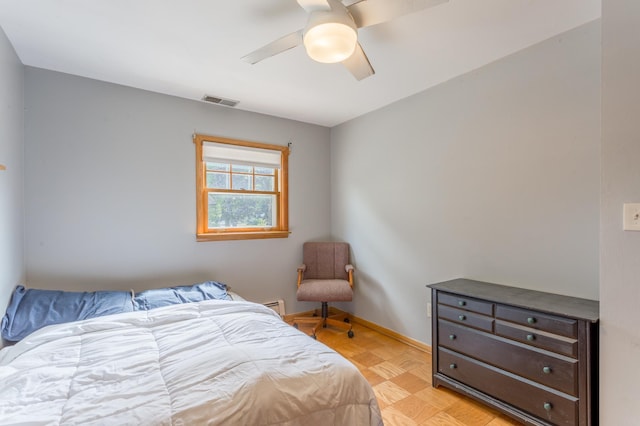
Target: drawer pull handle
{"points": [[462, 317], [452, 337], [531, 337], [547, 406], [462, 303], [546, 370], [453, 366], [531, 320]]}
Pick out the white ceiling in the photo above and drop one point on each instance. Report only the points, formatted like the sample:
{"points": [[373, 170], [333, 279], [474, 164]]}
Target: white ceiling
{"points": [[188, 48]]}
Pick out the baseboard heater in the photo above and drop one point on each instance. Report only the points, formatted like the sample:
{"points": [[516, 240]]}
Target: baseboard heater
{"points": [[276, 305]]}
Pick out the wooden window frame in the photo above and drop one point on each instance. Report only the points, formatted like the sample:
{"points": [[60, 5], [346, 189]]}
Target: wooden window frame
{"points": [[281, 228]]}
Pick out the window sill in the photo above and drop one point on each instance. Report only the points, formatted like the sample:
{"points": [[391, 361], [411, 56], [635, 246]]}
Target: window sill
{"points": [[226, 236]]}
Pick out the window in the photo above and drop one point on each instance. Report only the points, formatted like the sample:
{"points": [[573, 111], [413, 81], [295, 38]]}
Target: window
{"points": [[241, 189]]}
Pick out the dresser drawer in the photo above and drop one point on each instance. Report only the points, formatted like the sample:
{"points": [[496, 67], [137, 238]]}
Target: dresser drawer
{"points": [[554, 371], [467, 318], [549, 323], [466, 303], [550, 406], [540, 339]]}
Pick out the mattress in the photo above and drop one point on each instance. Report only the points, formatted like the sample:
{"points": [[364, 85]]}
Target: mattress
{"points": [[215, 362]]}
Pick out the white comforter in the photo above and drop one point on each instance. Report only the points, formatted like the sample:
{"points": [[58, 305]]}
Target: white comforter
{"points": [[214, 362]]}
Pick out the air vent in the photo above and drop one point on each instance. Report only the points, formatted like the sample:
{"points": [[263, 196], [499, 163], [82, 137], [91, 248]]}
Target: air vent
{"points": [[219, 101]]}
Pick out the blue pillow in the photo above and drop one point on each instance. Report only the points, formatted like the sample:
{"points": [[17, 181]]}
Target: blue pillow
{"points": [[32, 309], [157, 298]]}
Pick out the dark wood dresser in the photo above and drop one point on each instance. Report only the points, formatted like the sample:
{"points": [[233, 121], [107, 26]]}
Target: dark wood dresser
{"points": [[529, 354]]}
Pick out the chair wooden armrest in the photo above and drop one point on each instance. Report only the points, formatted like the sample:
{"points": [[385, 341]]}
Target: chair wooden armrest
{"points": [[349, 268], [301, 270]]}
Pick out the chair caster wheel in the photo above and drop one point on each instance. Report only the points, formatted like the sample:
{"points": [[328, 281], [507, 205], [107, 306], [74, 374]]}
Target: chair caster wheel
{"points": [[350, 334], [346, 320]]}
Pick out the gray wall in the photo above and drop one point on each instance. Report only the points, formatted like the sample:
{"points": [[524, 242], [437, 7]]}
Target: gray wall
{"points": [[619, 250], [110, 184], [12, 263], [493, 176]]}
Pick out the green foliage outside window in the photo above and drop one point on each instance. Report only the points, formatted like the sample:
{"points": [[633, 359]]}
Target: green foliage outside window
{"points": [[244, 208], [240, 210]]}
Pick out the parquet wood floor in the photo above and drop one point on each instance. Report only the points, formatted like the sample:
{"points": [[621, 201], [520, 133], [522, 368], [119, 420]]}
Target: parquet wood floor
{"points": [[401, 379]]}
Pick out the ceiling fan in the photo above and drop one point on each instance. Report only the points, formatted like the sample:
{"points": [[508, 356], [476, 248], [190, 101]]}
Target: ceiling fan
{"points": [[331, 33]]}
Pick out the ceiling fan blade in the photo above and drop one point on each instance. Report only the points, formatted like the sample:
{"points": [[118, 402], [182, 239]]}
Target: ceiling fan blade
{"points": [[371, 12], [278, 46], [313, 5], [358, 64]]}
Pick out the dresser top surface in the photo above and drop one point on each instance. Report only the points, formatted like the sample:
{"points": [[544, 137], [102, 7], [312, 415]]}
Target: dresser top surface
{"points": [[568, 306]]}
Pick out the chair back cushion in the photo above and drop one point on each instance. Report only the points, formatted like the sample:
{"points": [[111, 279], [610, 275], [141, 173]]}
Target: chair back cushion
{"points": [[325, 261]]}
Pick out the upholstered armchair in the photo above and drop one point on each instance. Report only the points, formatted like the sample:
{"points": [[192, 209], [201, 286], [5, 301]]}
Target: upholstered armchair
{"points": [[325, 276]]}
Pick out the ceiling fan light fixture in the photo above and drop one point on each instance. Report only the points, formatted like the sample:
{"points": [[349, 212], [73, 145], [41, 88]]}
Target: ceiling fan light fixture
{"points": [[330, 37]]}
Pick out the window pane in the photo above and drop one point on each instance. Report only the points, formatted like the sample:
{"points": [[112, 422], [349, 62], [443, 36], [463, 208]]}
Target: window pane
{"points": [[241, 211], [218, 167], [264, 183], [241, 169], [264, 171], [242, 182], [218, 180]]}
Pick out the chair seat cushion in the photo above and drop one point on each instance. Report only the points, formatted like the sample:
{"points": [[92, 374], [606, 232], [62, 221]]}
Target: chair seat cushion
{"points": [[325, 291]]}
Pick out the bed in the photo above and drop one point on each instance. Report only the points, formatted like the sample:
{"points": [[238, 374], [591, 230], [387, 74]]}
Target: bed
{"points": [[216, 362]]}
